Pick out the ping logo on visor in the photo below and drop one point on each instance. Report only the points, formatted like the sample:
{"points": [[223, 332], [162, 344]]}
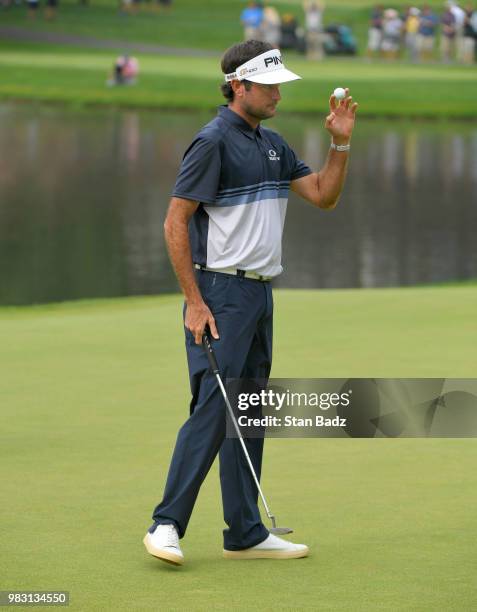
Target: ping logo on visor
{"points": [[267, 68], [273, 60]]}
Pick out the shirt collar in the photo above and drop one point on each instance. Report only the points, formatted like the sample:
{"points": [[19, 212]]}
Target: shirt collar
{"points": [[237, 121]]}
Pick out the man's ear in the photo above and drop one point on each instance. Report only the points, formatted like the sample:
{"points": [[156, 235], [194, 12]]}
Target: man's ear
{"points": [[237, 87]]}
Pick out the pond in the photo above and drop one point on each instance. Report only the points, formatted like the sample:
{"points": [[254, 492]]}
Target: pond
{"points": [[83, 196]]}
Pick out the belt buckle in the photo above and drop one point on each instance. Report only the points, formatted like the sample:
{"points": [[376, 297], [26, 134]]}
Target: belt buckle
{"points": [[252, 275]]}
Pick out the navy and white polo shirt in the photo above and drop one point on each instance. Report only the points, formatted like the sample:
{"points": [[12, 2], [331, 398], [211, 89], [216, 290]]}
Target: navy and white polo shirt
{"points": [[241, 178]]}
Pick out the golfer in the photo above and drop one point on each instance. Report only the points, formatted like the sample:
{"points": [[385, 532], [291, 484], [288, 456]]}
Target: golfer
{"points": [[223, 231]]}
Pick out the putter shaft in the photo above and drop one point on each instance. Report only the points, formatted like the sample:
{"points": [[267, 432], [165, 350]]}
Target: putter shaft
{"points": [[215, 370]]}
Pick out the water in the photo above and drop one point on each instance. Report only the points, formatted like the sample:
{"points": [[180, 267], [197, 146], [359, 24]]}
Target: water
{"points": [[83, 196]]}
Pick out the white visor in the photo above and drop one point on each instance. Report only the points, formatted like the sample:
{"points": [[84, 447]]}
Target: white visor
{"points": [[267, 68]]}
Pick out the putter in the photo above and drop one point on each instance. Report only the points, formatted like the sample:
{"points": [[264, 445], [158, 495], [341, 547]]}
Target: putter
{"points": [[215, 370]]}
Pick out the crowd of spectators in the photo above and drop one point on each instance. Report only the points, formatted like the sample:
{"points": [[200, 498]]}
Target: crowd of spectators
{"points": [[261, 21], [415, 33]]}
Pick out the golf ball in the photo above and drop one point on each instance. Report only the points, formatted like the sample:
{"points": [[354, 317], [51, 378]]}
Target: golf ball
{"points": [[339, 93]]}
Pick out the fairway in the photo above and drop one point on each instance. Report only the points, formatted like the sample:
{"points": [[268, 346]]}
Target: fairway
{"points": [[93, 393]]}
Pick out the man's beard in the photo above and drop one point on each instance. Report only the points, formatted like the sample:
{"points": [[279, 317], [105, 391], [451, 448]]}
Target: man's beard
{"points": [[257, 113]]}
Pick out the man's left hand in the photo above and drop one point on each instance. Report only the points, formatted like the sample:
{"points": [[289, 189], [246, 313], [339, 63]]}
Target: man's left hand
{"points": [[340, 121]]}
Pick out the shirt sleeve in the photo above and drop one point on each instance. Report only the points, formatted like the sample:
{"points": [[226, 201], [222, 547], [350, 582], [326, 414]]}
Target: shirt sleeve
{"points": [[199, 174], [296, 167]]}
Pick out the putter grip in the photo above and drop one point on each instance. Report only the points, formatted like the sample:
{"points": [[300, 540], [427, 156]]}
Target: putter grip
{"points": [[210, 353]]}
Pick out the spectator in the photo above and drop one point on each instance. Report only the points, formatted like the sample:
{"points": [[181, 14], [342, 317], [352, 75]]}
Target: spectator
{"points": [[392, 33], [126, 7], [459, 15], [289, 32], [32, 8], [125, 72], [470, 34], [411, 28], [473, 23], [50, 11], [448, 35], [375, 31], [426, 37], [271, 26], [251, 19], [314, 29]]}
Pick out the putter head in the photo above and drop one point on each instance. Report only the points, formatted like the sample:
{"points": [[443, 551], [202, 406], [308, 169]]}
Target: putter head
{"points": [[280, 530]]}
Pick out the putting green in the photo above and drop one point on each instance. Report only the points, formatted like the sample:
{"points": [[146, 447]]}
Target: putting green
{"points": [[93, 393]]}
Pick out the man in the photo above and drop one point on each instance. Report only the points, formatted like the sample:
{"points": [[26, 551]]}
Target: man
{"points": [[448, 34], [251, 19], [375, 31], [314, 29], [392, 32], [459, 16], [427, 33], [470, 34], [223, 230], [411, 28]]}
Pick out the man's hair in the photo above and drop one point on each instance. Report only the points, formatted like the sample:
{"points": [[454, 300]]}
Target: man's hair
{"points": [[237, 55]]}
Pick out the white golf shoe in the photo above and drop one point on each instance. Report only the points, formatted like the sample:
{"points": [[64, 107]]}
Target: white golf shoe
{"points": [[271, 548], [164, 544]]}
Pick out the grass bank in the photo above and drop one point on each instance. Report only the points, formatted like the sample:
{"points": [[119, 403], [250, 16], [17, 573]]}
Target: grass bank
{"points": [[93, 393], [70, 75]]}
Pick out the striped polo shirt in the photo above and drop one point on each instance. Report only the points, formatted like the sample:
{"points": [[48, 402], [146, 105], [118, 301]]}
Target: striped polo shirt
{"points": [[241, 178]]}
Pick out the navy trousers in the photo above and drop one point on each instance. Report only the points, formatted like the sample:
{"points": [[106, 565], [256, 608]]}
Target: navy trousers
{"points": [[243, 311]]}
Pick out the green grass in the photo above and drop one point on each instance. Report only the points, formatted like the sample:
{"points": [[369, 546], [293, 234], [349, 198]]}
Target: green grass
{"points": [[93, 393], [66, 75]]}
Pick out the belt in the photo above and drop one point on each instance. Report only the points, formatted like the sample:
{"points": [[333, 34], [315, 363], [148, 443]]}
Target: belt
{"points": [[236, 272]]}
